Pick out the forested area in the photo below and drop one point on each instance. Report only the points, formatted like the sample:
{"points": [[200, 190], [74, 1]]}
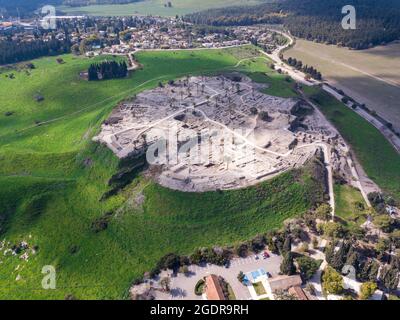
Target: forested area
{"points": [[107, 70], [320, 20], [14, 51]]}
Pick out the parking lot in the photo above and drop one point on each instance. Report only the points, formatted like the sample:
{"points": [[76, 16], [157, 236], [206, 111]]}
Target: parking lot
{"points": [[182, 287]]}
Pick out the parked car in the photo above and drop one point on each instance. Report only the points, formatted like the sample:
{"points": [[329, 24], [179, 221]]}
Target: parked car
{"points": [[266, 255], [269, 275]]}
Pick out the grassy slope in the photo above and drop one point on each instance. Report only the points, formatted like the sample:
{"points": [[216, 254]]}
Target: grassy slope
{"points": [[156, 7], [378, 158], [346, 198], [279, 85], [49, 198]]}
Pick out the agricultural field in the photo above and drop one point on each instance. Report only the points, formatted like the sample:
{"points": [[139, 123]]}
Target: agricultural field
{"points": [[52, 179], [377, 156], [155, 7], [369, 76]]}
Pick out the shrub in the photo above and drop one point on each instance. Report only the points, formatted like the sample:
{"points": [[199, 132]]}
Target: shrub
{"points": [[258, 243], [240, 277], [101, 223], [242, 250], [323, 212], [332, 230], [169, 261], [332, 281], [307, 266], [199, 287], [367, 290]]}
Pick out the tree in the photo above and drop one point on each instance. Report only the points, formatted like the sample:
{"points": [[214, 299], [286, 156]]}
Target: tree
{"points": [[382, 245], [287, 266], [169, 261], [287, 245], [329, 252], [367, 290], [332, 281], [75, 49], [258, 243], [395, 238], [83, 47], [241, 277], [389, 277], [383, 222], [271, 243], [242, 250], [184, 270], [368, 271], [323, 212], [165, 284], [307, 266], [332, 230], [107, 70], [353, 258], [339, 258]]}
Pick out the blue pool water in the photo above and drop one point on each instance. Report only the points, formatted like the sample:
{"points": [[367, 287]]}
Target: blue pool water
{"points": [[258, 273], [255, 274]]}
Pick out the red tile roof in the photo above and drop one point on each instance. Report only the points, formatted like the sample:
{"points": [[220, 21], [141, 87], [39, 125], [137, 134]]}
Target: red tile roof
{"points": [[298, 293], [213, 288]]}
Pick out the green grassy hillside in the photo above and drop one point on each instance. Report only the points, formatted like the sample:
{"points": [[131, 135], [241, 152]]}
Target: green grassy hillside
{"points": [[379, 159], [52, 177]]}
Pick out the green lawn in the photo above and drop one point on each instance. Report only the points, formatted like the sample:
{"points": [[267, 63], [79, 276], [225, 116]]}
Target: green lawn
{"points": [[377, 156], [52, 177], [350, 204], [259, 288], [155, 7], [278, 85]]}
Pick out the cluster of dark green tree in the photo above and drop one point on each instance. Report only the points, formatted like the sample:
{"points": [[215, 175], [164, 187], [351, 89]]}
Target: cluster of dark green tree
{"points": [[107, 70], [309, 70], [365, 265], [16, 51], [380, 201], [216, 255], [377, 21]]}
